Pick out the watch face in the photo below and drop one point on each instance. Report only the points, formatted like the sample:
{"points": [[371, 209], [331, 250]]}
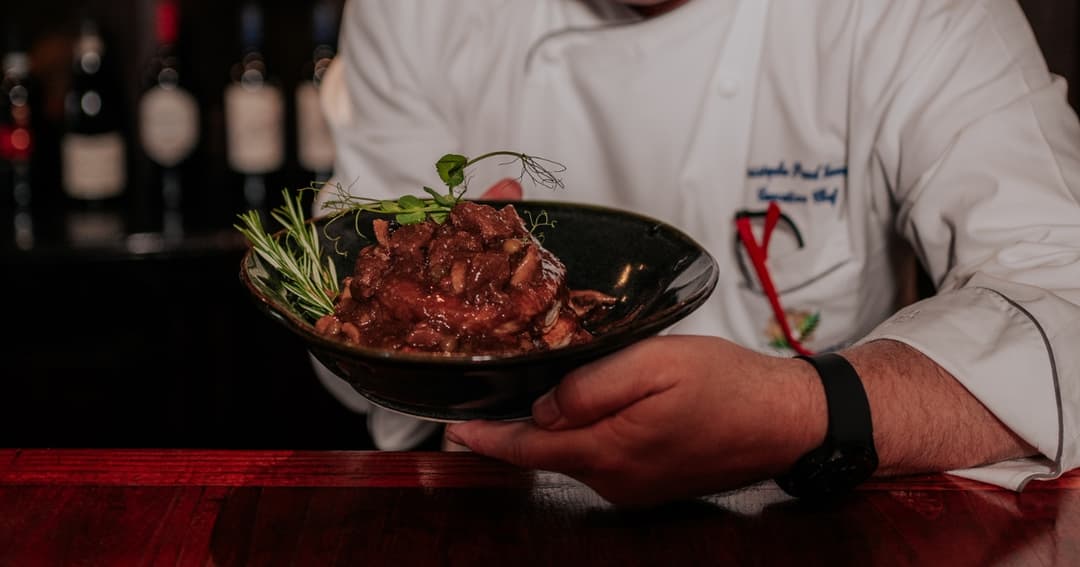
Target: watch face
{"points": [[825, 473], [848, 467]]}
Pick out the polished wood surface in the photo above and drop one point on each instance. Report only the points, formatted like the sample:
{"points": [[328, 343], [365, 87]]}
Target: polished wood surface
{"points": [[189, 507]]}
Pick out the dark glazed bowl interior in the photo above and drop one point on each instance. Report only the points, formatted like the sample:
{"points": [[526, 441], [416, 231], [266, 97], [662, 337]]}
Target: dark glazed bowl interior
{"points": [[657, 273]]}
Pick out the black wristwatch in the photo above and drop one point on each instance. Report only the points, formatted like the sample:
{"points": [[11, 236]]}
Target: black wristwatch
{"points": [[847, 457]]}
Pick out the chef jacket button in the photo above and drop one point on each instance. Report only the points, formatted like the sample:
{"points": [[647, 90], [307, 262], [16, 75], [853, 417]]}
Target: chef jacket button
{"points": [[727, 87]]}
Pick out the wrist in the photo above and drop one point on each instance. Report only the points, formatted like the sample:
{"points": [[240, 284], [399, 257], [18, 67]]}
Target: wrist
{"points": [[804, 423]]}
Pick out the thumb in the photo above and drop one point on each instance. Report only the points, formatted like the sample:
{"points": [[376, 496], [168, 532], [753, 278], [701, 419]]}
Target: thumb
{"points": [[507, 190], [525, 445], [601, 389]]}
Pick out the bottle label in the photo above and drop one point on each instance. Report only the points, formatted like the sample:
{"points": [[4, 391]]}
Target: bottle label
{"points": [[168, 125], [254, 122], [93, 165], [316, 146]]}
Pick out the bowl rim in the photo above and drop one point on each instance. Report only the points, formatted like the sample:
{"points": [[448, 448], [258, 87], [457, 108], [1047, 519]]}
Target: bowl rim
{"points": [[603, 343]]}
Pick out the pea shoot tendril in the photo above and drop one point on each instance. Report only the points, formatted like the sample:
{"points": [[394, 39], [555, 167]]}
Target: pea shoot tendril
{"points": [[411, 209]]}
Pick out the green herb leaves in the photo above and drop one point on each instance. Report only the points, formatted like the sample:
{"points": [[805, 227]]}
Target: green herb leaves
{"points": [[410, 209], [310, 281], [451, 168]]}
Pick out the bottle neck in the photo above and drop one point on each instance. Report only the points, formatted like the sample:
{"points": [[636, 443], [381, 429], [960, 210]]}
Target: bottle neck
{"points": [[324, 22], [90, 41], [251, 28], [168, 23], [89, 51], [252, 71]]}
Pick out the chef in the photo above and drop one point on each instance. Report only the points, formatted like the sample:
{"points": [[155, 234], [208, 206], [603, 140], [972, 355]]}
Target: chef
{"points": [[794, 139]]}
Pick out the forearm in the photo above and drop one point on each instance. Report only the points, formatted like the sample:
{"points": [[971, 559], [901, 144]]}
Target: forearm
{"points": [[924, 420], [681, 416]]}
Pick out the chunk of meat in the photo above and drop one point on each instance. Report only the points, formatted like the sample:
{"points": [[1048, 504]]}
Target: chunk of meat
{"points": [[587, 301], [479, 283]]}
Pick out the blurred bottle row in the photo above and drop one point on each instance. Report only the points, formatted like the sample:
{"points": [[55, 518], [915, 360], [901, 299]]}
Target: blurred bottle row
{"points": [[137, 142]]}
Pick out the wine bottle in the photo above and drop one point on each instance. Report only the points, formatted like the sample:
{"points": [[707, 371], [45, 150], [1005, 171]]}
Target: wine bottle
{"points": [[19, 101], [315, 145], [254, 112], [168, 119], [93, 147]]}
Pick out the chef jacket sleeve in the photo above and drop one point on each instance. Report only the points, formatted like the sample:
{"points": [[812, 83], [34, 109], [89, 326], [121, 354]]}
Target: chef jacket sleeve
{"points": [[983, 152]]}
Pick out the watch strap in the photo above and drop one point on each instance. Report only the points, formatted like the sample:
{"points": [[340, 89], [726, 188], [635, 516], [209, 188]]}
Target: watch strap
{"points": [[848, 406], [847, 457]]}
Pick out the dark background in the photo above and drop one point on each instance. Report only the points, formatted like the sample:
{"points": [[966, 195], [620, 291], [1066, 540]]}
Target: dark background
{"points": [[111, 344]]}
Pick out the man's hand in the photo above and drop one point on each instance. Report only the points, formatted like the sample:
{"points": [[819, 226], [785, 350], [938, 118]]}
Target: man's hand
{"points": [[680, 416], [505, 190], [671, 417]]}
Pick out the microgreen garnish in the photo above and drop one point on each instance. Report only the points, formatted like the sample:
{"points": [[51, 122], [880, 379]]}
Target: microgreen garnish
{"points": [[411, 209], [310, 282], [541, 220]]}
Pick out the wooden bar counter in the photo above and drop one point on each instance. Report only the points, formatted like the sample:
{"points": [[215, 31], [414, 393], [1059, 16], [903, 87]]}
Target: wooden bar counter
{"points": [[196, 507]]}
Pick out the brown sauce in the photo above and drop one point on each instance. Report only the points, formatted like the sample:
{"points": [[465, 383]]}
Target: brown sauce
{"points": [[479, 283]]}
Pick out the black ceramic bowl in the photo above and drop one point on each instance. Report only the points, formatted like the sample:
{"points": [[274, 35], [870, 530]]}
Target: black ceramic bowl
{"points": [[658, 275]]}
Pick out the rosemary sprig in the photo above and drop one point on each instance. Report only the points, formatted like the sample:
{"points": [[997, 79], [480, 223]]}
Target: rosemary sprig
{"points": [[309, 280]]}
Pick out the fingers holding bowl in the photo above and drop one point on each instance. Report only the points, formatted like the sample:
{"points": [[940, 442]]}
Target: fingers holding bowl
{"points": [[507, 189]]}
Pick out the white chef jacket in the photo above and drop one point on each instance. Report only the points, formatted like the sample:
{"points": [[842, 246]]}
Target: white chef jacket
{"points": [[862, 119]]}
